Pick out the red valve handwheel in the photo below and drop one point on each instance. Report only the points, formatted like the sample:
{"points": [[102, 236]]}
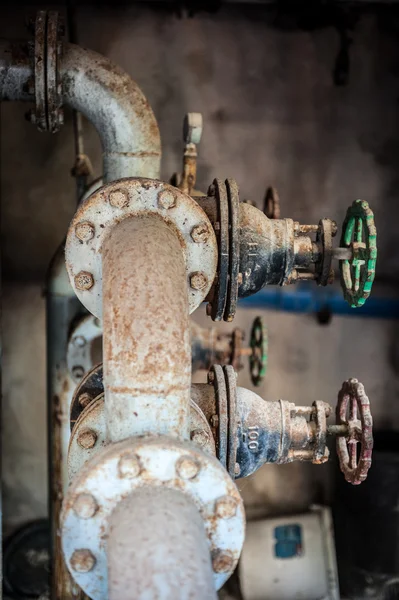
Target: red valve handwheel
{"points": [[353, 410]]}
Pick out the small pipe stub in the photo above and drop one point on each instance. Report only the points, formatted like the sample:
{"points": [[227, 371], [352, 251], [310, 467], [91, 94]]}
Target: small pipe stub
{"points": [[128, 198], [164, 462]]}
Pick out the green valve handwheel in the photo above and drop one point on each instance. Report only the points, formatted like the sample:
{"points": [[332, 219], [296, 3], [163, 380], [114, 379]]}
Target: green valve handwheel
{"points": [[359, 234], [258, 356]]}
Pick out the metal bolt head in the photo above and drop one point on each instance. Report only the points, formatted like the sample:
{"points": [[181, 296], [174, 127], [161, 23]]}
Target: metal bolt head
{"points": [[166, 199], [199, 437], [129, 466], [237, 469], [187, 467], [226, 507], [214, 420], [87, 439], [118, 198], [82, 561], [84, 281], [79, 341], [198, 280], [84, 399], [200, 233], [85, 506], [222, 561], [84, 231], [78, 371]]}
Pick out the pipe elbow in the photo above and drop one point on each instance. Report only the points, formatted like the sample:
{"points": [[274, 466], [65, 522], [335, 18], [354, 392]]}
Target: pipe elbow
{"points": [[115, 105]]}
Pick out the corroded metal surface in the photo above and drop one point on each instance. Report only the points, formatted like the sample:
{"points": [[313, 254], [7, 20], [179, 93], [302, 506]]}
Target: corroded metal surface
{"points": [[234, 248], [93, 418], [146, 345], [170, 556], [112, 101], [105, 94], [62, 307], [90, 387], [351, 399], [128, 198], [80, 346], [217, 305], [158, 459]]}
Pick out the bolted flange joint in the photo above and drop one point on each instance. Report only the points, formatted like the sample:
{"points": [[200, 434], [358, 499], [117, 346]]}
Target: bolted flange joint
{"points": [[126, 199], [120, 469]]}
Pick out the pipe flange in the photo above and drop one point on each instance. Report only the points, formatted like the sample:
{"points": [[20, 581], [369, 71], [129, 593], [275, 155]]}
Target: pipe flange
{"points": [[79, 352], [121, 468], [89, 434], [48, 115], [90, 387], [132, 197]]}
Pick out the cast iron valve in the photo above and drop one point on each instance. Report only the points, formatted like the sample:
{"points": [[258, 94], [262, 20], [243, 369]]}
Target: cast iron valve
{"points": [[255, 250], [250, 432]]}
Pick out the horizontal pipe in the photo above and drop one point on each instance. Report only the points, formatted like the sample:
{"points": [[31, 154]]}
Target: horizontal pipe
{"points": [[308, 299], [157, 548], [146, 331], [105, 94]]}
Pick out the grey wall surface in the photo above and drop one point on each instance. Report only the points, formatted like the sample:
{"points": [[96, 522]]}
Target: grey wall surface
{"points": [[272, 115]]}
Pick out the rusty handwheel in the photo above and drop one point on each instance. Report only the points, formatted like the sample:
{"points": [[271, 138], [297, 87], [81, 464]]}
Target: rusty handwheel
{"points": [[259, 347], [354, 425]]}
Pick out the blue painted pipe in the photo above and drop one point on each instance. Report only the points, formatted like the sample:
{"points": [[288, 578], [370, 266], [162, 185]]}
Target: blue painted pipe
{"points": [[310, 299]]}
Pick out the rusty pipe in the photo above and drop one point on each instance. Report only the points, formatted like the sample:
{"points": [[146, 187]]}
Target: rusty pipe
{"points": [[169, 558], [146, 341], [105, 94]]}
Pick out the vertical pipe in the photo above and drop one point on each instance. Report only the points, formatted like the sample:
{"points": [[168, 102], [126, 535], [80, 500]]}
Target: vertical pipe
{"points": [[146, 341], [157, 548], [62, 307]]}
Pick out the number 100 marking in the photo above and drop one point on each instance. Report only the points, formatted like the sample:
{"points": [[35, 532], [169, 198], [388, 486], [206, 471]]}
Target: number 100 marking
{"points": [[253, 437]]}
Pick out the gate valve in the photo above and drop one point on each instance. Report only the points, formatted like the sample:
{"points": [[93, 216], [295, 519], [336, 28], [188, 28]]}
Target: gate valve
{"points": [[250, 431], [257, 352], [255, 250]]}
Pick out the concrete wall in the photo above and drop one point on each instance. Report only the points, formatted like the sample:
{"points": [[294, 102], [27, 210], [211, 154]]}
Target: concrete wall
{"points": [[272, 116]]}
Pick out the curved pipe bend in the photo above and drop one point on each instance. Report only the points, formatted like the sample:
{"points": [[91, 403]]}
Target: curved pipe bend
{"points": [[106, 95]]}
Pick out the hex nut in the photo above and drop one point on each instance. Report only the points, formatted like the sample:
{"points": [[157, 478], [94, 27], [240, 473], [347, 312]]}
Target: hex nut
{"points": [[84, 399], [85, 506], [79, 341], [187, 467], [118, 198], [84, 281], [166, 199], [129, 466], [199, 437], [87, 439], [78, 371], [200, 233], [198, 280], [226, 507], [82, 561], [222, 561], [84, 231]]}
